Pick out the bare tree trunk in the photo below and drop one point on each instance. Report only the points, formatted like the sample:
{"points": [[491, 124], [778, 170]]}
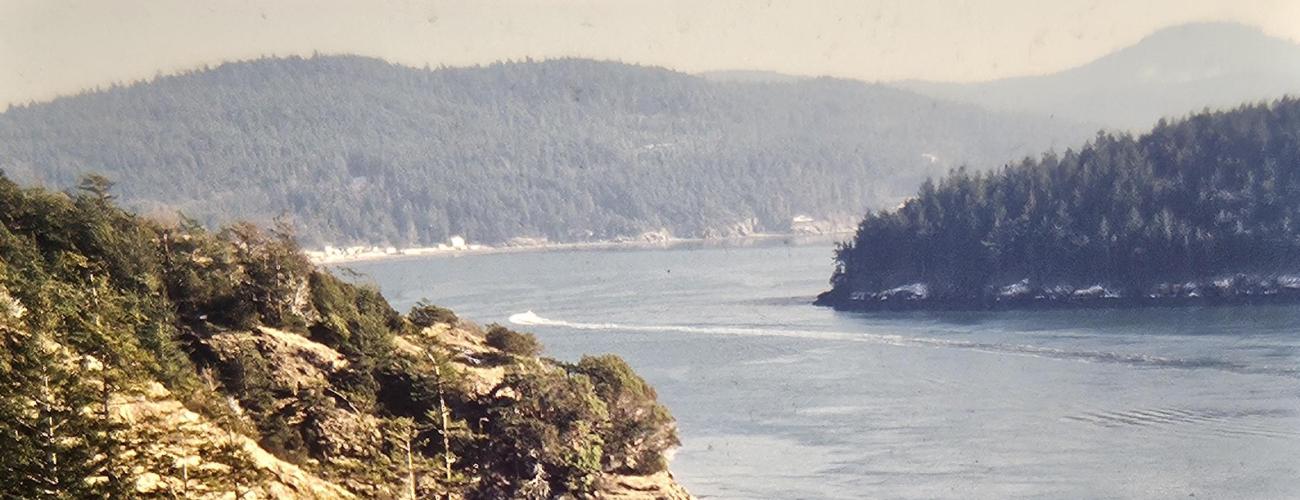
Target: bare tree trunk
{"points": [[52, 453], [230, 437], [106, 415], [442, 411], [410, 467]]}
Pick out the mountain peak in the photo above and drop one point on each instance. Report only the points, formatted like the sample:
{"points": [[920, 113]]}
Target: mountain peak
{"points": [[1169, 73], [1206, 32], [1197, 51]]}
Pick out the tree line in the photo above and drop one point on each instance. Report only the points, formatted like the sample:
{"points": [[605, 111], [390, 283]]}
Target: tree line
{"points": [[356, 150]]}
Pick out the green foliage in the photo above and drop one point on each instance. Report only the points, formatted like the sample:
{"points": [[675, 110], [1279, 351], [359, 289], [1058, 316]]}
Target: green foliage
{"points": [[360, 324], [203, 276], [275, 272], [356, 320], [1191, 200], [510, 341], [359, 150], [544, 440], [54, 445], [640, 429], [424, 314]]}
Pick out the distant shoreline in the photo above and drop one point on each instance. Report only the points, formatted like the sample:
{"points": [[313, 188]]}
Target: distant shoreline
{"points": [[1059, 304], [1255, 292], [319, 258]]}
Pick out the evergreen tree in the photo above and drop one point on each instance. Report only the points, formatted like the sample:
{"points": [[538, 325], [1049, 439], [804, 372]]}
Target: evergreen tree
{"points": [[54, 441]]}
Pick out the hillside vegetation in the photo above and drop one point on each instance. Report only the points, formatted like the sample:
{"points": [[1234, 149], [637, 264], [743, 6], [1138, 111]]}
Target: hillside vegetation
{"points": [[142, 359], [356, 150], [1202, 209]]}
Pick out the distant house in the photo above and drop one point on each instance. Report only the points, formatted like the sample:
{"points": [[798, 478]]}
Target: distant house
{"points": [[804, 224], [458, 243]]}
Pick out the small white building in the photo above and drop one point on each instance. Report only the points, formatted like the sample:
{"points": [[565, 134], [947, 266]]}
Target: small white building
{"points": [[458, 243], [804, 224]]}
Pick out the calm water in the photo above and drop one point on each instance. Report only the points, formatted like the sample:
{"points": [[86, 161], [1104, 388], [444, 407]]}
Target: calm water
{"points": [[776, 398]]}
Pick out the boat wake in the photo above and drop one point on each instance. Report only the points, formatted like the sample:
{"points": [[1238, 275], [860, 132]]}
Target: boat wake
{"points": [[529, 318]]}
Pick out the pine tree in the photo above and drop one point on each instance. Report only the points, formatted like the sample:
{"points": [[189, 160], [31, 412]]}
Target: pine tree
{"points": [[54, 440]]}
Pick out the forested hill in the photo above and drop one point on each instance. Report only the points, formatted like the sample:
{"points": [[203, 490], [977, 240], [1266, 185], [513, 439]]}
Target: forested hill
{"points": [[1204, 209], [359, 150]]}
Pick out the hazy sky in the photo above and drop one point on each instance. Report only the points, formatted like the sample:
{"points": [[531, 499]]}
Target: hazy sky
{"points": [[53, 47]]}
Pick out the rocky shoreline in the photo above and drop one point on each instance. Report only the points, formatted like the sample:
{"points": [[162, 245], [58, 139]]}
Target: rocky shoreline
{"points": [[1240, 289]]}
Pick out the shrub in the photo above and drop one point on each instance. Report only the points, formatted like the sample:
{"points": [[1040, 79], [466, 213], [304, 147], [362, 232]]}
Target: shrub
{"points": [[425, 315], [640, 429], [519, 344], [355, 320]]}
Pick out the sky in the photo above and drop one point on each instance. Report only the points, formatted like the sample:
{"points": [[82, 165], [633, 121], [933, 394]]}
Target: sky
{"points": [[57, 47]]}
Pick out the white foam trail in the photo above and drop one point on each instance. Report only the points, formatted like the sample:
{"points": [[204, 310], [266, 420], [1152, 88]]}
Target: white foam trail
{"points": [[529, 318]]}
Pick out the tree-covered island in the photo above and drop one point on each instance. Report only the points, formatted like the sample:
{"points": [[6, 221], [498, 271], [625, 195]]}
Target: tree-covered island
{"points": [[1201, 210]]}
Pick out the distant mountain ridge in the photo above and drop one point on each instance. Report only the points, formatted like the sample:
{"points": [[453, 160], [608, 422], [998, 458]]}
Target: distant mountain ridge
{"points": [[750, 76], [356, 150], [1170, 73]]}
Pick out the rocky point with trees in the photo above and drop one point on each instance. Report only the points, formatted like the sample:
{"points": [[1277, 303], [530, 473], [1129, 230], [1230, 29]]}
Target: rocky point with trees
{"points": [[1200, 210]]}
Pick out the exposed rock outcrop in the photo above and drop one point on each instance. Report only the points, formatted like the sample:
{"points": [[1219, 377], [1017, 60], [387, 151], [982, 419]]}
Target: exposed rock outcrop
{"points": [[657, 486], [170, 434]]}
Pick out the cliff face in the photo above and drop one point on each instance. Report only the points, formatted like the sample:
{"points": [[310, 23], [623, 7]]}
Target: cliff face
{"points": [[143, 359]]}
